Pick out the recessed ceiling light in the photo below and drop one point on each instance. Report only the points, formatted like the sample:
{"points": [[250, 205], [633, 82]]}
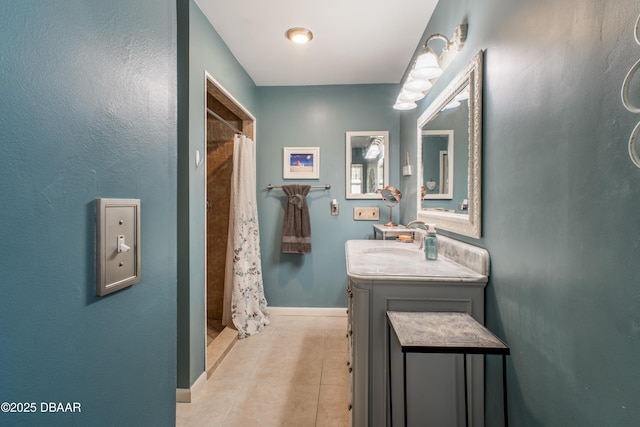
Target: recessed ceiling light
{"points": [[299, 35]]}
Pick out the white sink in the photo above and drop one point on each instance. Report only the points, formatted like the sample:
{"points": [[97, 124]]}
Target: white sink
{"points": [[392, 250]]}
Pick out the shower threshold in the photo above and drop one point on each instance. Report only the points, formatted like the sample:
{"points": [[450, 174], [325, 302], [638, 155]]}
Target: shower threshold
{"points": [[219, 347]]}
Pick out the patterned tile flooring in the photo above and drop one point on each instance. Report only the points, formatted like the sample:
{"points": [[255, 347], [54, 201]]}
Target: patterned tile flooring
{"points": [[294, 373]]}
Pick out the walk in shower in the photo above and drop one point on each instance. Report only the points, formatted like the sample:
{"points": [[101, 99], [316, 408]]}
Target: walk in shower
{"points": [[224, 119]]}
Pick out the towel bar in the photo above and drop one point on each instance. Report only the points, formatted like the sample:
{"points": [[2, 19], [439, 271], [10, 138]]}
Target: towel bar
{"points": [[325, 186]]}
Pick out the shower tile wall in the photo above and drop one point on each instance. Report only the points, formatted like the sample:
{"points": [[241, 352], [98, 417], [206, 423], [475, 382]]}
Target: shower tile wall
{"points": [[219, 168]]}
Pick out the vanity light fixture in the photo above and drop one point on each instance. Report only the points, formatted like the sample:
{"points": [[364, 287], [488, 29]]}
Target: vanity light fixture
{"points": [[451, 105], [373, 151], [428, 67], [299, 35], [456, 101], [406, 96], [404, 105], [463, 95], [417, 85]]}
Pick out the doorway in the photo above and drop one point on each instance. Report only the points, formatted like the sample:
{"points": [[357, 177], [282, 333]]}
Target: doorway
{"points": [[227, 113]]}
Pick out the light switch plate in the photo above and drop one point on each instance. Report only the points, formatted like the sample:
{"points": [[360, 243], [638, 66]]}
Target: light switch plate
{"points": [[117, 244], [366, 214]]}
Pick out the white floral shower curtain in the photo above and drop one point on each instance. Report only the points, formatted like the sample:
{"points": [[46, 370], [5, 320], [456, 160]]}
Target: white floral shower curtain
{"points": [[244, 301]]}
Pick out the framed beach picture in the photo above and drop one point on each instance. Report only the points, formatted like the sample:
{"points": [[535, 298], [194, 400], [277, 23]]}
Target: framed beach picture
{"points": [[301, 163]]}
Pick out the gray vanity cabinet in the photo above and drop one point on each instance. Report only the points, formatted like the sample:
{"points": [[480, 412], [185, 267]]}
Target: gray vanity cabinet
{"points": [[360, 338], [435, 386]]}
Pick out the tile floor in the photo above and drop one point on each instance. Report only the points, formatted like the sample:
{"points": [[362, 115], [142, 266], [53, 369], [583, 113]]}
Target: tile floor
{"points": [[294, 373]]}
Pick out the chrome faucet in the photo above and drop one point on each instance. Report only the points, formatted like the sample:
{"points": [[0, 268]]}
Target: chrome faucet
{"points": [[418, 224], [414, 222]]}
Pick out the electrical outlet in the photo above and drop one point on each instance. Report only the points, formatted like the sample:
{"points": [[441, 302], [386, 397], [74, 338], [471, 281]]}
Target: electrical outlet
{"points": [[366, 214]]}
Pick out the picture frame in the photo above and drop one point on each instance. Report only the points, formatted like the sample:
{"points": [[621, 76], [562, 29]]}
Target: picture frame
{"points": [[301, 163]]}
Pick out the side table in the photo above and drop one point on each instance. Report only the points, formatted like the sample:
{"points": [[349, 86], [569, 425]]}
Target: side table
{"points": [[391, 231], [444, 332]]}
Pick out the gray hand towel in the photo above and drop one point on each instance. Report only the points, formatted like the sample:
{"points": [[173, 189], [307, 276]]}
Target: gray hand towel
{"points": [[296, 227]]}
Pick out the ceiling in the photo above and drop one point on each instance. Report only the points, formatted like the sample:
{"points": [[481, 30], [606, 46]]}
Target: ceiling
{"points": [[354, 41]]}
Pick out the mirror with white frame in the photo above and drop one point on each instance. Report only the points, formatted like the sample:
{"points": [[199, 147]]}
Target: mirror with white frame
{"points": [[367, 163], [449, 191]]}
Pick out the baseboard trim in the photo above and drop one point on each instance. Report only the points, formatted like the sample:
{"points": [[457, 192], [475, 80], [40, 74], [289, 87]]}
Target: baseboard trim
{"points": [[308, 311], [186, 395]]}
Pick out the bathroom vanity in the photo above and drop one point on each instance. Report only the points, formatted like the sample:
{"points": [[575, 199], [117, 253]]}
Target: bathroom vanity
{"points": [[386, 275]]}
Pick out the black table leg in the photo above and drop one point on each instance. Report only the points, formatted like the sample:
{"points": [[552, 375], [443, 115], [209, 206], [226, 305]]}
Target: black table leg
{"points": [[404, 385], [504, 390], [466, 398]]}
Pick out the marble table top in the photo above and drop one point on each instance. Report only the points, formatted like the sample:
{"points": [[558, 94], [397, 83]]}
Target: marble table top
{"points": [[399, 227], [443, 332]]}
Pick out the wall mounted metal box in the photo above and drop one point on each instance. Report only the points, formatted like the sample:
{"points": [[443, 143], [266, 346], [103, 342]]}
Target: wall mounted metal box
{"points": [[117, 244]]}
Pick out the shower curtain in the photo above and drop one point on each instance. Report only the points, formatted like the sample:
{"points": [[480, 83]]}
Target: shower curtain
{"points": [[244, 301]]}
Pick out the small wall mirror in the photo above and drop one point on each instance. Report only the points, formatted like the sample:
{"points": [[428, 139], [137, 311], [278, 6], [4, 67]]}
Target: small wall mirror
{"points": [[367, 163], [449, 175]]}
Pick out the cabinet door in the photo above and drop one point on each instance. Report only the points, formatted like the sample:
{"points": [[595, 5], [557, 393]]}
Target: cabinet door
{"points": [[360, 318]]}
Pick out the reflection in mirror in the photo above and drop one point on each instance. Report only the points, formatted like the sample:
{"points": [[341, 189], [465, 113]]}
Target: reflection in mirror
{"points": [[449, 174], [367, 163], [438, 164]]}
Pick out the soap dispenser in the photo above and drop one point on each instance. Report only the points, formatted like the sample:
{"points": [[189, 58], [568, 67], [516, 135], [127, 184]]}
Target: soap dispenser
{"points": [[431, 243]]}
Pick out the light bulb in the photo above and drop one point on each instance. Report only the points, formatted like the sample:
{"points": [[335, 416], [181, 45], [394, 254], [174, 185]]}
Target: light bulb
{"points": [[427, 66], [427, 59], [426, 73], [399, 105], [410, 96], [452, 104], [416, 85], [299, 38]]}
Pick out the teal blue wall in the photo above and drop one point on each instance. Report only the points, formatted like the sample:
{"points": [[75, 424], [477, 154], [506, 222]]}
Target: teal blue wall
{"points": [[88, 110], [201, 49], [316, 116], [560, 205]]}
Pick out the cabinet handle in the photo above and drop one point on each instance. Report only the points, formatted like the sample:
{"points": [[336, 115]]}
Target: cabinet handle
{"points": [[350, 369]]}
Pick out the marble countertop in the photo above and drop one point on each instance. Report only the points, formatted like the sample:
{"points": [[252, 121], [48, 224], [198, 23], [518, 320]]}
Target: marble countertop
{"points": [[443, 332], [389, 260]]}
